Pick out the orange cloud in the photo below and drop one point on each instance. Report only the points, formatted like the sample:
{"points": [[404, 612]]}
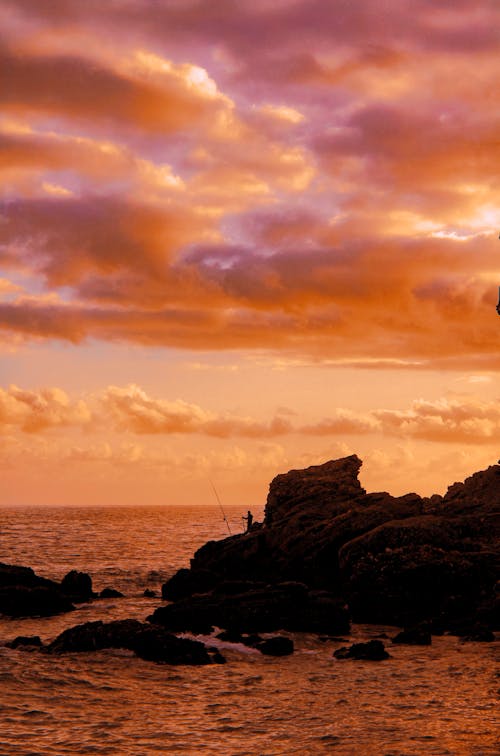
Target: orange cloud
{"points": [[146, 92], [35, 411], [133, 410], [465, 420]]}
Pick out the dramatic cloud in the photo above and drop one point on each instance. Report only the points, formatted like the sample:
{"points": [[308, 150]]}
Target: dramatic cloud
{"points": [[130, 409], [35, 411], [212, 179], [309, 187]]}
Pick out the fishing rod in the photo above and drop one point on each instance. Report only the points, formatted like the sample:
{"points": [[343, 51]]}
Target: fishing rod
{"points": [[220, 505]]}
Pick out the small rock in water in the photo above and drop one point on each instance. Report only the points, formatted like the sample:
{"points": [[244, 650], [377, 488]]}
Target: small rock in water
{"points": [[77, 585], [374, 650], [25, 640], [276, 646], [480, 635], [148, 593], [110, 593], [215, 655], [413, 636]]}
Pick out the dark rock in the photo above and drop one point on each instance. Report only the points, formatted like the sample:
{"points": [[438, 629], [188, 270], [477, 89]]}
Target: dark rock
{"points": [[234, 636], [235, 587], [251, 640], [25, 640], [15, 575], [286, 606], [148, 593], [147, 641], [230, 636], [187, 582], [78, 586], [37, 601], [217, 658], [414, 636], [479, 635], [153, 644], [276, 646], [110, 593], [373, 650], [23, 593], [393, 560]]}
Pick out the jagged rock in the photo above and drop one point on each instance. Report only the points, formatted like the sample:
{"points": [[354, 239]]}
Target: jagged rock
{"points": [[185, 583], [148, 593], [279, 645], [414, 636], [147, 641], [395, 560], [110, 593], [286, 606], [373, 650], [78, 586], [30, 641]]}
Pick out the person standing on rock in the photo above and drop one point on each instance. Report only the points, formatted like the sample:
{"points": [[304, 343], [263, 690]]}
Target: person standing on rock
{"points": [[249, 520]]}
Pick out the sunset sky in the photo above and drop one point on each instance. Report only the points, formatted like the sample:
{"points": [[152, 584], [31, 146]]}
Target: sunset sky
{"points": [[244, 236]]}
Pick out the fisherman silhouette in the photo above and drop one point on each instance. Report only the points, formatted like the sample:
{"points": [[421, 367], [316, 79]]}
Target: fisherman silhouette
{"points": [[249, 520]]}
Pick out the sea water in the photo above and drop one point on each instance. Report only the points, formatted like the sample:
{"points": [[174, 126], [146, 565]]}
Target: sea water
{"points": [[423, 700]]}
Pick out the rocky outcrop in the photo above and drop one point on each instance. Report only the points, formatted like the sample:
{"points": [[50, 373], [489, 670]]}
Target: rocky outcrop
{"points": [[283, 606], [278, 645], [373, 650], [397, 560], [23, 593], [107, 593], [147, 641], [413, 636], [25, 641], [78, 586]]}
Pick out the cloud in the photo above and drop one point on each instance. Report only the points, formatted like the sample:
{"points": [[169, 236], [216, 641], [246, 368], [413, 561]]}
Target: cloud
{"points": [[129, 409], [213, 179], [144, 91], [132, 409], [35, 411]]}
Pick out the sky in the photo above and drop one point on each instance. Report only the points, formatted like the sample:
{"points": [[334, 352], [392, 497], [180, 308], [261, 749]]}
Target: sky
{"points": [[245, 236]]}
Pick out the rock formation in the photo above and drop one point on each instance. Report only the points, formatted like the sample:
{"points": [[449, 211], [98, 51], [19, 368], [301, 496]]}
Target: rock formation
{"points": [[23, 593], [398, 560], [147, 641]]}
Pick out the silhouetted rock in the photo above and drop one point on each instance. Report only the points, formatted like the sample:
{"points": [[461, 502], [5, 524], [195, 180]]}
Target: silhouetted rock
{"points": [[78, 586], [148, 593], [279, 645], [14, 575], [286, 606], [394, 560], [479, 635], [25, 641], [147, 641], [414, 636], [186, 583], [216, 657], [373, 650], [23, 593], [110, 593], [37, 601]]}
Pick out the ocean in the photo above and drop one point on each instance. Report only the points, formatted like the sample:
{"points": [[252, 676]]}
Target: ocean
{"points": [[437, 700]]}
